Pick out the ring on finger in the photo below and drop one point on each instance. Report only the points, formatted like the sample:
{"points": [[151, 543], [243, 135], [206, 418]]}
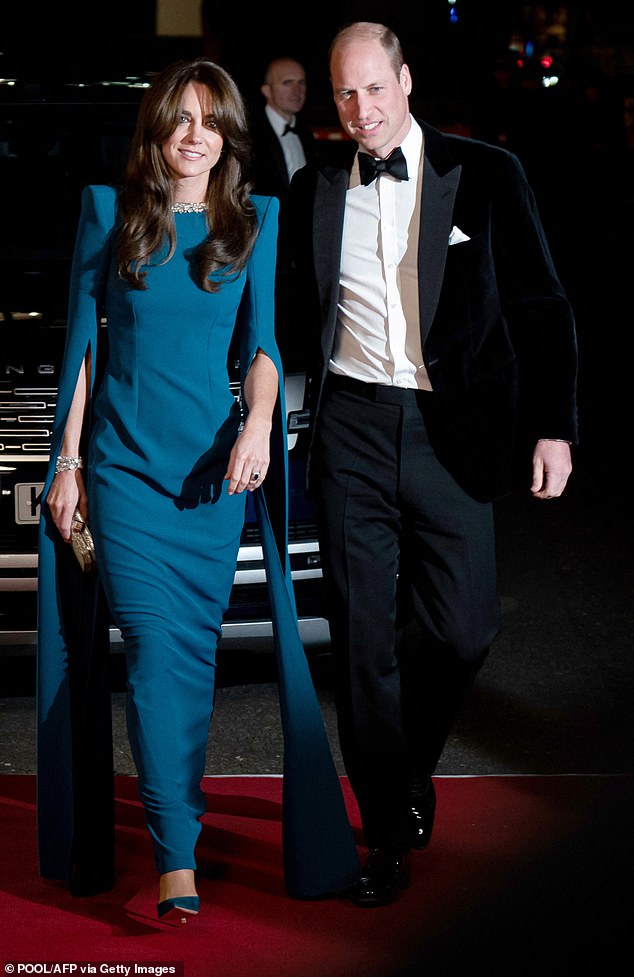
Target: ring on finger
{"points": [[256, 476]]}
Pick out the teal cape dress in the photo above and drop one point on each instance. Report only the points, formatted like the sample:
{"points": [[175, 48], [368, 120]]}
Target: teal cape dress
{"points": [[161, 424]]}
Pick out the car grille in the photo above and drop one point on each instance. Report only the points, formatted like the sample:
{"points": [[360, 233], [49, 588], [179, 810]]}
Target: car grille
{"points": [[26, 421], [298, 532]]}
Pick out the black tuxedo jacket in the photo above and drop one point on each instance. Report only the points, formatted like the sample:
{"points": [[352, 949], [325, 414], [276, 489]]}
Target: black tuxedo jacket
{"points": [[497, 330], [268, 170]]}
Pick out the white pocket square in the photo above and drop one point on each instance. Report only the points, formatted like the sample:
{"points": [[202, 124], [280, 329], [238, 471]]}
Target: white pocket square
{"points": [[457, 236]]}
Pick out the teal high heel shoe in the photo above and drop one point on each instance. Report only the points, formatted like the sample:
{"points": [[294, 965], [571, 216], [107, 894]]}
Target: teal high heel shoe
{"points": [[178, 907]]}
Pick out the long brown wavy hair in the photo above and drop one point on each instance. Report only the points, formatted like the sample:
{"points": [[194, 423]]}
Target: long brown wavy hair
{"points": [[145, 197]]}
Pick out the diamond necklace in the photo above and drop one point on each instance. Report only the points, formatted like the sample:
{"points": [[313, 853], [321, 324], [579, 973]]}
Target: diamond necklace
{"points": [[181, 208]]}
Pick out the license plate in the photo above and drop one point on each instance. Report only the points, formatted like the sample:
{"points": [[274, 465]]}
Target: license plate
{"points": [[27, 508]]}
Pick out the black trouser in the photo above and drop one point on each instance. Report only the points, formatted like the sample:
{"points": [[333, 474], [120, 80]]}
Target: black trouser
{"points": [[401, 543]]}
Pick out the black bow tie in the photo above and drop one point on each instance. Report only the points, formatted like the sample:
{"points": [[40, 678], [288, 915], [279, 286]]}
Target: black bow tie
{"points": [[370, 167], [289, 128]]}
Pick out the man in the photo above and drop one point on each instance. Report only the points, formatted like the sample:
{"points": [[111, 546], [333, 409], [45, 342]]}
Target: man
{"points": [[446, 341], [282, 144]]}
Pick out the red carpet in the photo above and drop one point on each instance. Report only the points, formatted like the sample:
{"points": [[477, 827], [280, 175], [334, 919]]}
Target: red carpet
{"points": [[525, 875]]}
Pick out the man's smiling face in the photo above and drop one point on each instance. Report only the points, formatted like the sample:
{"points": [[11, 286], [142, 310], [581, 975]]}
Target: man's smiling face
{"points": [[371, 99]]}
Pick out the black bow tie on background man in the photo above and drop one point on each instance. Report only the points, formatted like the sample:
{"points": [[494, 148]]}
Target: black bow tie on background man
{"points": [[370, 167], [289, 128]]}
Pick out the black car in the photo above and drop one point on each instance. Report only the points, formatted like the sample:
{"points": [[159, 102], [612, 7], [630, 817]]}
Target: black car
{"points": [[54, 141]]}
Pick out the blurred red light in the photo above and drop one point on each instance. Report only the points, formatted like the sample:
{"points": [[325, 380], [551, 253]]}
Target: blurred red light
{"points": [[546, 61]]}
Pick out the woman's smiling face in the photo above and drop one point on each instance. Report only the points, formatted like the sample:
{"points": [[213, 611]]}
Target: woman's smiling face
{"points": [[194, 148]]}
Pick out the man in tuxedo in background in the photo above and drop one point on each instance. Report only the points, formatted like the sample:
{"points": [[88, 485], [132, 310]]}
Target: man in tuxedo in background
{"points": [[445, 361], [281, 144]]}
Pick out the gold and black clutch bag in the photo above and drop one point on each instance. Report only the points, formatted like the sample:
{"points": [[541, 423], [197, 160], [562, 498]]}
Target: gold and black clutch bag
{"points": [[82, 542]]}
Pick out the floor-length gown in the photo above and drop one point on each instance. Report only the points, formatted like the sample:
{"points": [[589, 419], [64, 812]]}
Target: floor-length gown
{"points": [[167, 535]]}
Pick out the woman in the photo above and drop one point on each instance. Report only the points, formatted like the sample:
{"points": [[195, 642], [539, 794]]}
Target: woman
{"points": [[152, 451]]}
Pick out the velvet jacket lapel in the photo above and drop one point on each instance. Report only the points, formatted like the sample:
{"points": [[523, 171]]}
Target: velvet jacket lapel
{"points": [[440, 185]]}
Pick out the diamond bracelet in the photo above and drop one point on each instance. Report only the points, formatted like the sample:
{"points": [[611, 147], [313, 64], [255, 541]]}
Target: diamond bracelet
{"points": [[66, 464]]}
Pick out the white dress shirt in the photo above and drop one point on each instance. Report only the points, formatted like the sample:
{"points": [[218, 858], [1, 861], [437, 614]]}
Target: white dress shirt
{"points": [[378, 324], [291, 143]]}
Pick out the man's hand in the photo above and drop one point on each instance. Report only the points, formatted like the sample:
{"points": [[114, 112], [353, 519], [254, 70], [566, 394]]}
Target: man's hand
{"points": [[552, 465]]}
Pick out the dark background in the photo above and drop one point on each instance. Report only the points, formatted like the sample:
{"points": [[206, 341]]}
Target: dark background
{"points": [[455, 66]]}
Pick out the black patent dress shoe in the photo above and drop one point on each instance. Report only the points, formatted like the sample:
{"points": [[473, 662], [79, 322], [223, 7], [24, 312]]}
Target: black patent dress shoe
{"points": [[384, 875], [423, 810]]}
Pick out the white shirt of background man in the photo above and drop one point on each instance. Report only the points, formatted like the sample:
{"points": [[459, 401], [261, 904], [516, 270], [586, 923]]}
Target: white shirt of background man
{"points": [[291, 144]]}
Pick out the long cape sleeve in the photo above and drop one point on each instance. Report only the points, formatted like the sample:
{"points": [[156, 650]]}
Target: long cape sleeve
{"points": [[320, 854], [75, 795]]}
